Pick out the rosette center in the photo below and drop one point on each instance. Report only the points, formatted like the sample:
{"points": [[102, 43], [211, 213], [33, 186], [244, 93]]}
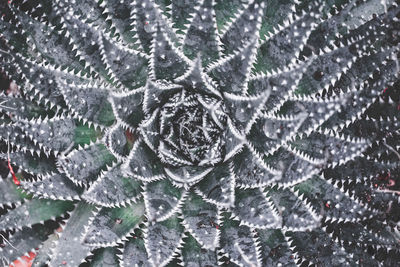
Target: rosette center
{"points": [[192, 128]]}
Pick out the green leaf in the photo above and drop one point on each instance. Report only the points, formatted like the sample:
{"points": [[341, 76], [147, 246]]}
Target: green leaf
{"points": [[231, 72], [143, 164], [294, 165], [334, 148], [253, 172], [33, 212], [84, 134], [21, 107], [21, 242], [297, 215], [42, 256], [218, 186], [118, 142], [148, 15], [50, 43], [32, 164], [202, 35], [134, 253], [333, 200], [88, 102], [238, 243], [127, 107], [167, 62], [68, 250], [54, 186], [162, 240], [157, 93], [105, 257], [111, 225], [284, 44], [244, 27], [201, 220], [195, 255], [55, 134], [9, 193], [162, 199], [274, 248], [319, 248], [114, 189], [255, 210], [128, 65], [84, 165], [12, 133]]}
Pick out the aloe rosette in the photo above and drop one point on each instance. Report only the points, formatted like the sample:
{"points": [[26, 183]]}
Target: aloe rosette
{"points": [[200, 133]]}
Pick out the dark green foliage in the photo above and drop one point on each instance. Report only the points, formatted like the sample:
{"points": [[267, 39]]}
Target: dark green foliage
{"points": [[200, 133]]}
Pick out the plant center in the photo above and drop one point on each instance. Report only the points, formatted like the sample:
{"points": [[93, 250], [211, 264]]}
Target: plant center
{"points": [[192, 126]]}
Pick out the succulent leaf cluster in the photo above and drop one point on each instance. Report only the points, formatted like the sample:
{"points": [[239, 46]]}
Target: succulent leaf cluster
{"points": [[200, 133]]}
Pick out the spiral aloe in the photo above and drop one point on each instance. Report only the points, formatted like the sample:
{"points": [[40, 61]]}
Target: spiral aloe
{"points": [[200, 133]]}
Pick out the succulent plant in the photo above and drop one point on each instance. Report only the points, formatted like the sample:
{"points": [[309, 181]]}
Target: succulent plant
{"points": [[200, 133]]}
